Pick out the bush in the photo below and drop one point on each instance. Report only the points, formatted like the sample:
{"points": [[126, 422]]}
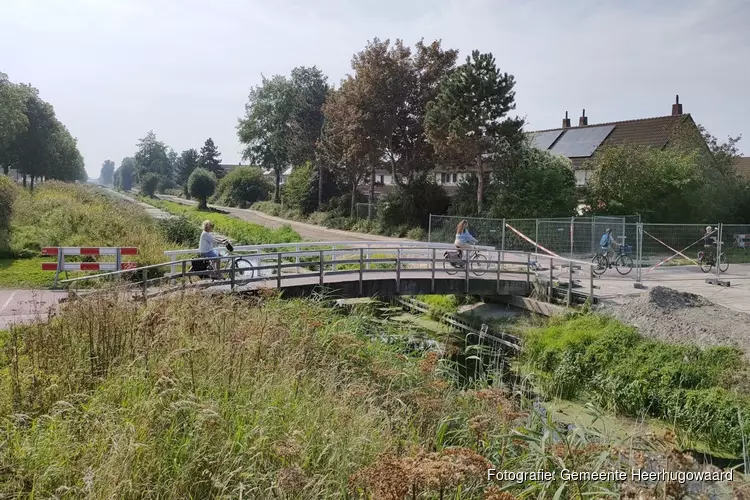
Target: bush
{"points": [[301, 188], [181, 231], [417, 234], [166, 184], [412, 204], [201, 185], [242, 187], [148, 184], [8, 192]]}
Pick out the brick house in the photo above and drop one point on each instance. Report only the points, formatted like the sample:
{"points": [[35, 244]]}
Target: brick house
{"points": [[580, 143], [742, 167]]}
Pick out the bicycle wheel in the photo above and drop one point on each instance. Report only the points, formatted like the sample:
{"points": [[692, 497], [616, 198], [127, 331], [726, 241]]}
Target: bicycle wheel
{"points": [[243, 269], [479, 264], [723, 263], [706, 263], [624, 264], [448, 267], [601, 264]]}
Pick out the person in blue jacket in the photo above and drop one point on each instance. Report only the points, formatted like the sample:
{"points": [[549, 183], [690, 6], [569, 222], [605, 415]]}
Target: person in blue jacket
{"points": [[464, 239], [606, 242]]}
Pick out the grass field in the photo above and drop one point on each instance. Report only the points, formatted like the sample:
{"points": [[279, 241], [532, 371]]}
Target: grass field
{"points": [[25, 273]]}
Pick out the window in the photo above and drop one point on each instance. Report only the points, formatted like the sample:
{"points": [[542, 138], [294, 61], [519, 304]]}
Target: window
{"points": [[442, 178], [455, 178], [381, 180]]}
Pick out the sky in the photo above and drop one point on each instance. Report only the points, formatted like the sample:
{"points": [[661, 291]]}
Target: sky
{"points": [[115, 69]]}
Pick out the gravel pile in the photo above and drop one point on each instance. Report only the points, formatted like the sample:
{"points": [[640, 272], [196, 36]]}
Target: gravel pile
{"points": [[684, 318]]}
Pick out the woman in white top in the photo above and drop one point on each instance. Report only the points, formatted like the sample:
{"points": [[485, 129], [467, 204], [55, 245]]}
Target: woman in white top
{"points": [[208, 242]]}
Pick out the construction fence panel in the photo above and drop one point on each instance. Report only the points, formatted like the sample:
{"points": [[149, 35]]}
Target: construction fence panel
{"points": [[673, 245], [736, 239], [366, 211], [488, 231]]}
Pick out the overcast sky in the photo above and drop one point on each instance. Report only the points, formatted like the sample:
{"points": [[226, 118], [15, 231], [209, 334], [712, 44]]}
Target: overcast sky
{"points": [[114, 69]]}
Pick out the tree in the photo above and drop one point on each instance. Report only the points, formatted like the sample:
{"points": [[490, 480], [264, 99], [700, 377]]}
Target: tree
{"points": [[149, 183], [107, 174], [202, 185], [309, 92], [411, 204], [265, 128], [125, 174], [341, 147], [243, 186], [465, 121], [13, 119], [658, 185], [210, 158], [187, 162], [173, 159], [151, 157], [539, 185]]}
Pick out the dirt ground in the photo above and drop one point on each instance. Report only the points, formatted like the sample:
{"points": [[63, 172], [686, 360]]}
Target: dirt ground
{"points": [[683, 318]]}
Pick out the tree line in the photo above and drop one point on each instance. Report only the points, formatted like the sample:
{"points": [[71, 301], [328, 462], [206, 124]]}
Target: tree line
{"points": [[33, 142]]}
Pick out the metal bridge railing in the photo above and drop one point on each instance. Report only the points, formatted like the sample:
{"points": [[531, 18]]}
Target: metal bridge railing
{"points": [[281, 269]]}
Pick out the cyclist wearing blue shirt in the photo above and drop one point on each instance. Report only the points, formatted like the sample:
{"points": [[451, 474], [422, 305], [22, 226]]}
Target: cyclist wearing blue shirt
{"points": [[606, 242], [464, 239]]}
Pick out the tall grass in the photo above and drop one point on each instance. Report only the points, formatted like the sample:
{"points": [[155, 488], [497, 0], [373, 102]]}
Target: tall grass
{"points": [[61, 214]]}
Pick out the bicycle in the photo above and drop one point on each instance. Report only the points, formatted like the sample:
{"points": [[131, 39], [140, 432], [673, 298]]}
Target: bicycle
{"points": [[623, 262], [708, 260], [478, 263], [243, 269]]}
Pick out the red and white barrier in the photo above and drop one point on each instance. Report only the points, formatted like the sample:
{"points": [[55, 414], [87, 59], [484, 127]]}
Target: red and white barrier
{"points": [[61, 252]]}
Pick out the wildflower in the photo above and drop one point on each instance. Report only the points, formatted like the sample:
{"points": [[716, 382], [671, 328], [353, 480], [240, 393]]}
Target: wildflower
{"points": [[291, 478]]}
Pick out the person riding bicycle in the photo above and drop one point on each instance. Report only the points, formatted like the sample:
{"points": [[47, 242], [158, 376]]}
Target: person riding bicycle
{"points": [[464, 239], [709, 241], [607, 242], [207, 243]]}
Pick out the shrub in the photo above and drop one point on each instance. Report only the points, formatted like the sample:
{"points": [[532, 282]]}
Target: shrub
{"points": [[149, 183], [417, 234], [202, 185], [242, 187], [301, 188], [181, 230], [7, 196], [412, 204], [165, 184]]}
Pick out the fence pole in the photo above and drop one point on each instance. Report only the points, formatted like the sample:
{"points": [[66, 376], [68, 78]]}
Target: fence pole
{"points": [[639, 254], [572, 227], [499, 260], [432, 278], [118, 260], [60, 265], [398, 271], [429, 230], [536, 236], [591, 284], [145, 282], [466, 268], [718, 251], [570, 282], [361, 264], [528, 273], [551, 267], [231, 272], [321, 267], [502, 244], [333, 256], [184, 267]]}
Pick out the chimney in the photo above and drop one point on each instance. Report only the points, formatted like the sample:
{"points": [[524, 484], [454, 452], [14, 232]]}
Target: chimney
{"points": [[583, 120], [566, 121], [676, 107]]}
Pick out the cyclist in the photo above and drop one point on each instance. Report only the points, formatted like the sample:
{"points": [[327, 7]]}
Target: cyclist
{"points": [[207, 243], [607, 242], [709, 240], [464, 239]]}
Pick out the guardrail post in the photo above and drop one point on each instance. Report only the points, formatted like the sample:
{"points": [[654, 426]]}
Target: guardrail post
{"points": [[145, 282], [499, 260], [536, 235], [321, 267], [278, 271], [232, 267], [184, 267], [528, 273], [296, 257], [118, 260], [361, 263], [398, 271], [368, 256], [466, 269], [502, 243], [333, 256], [551, 267], [60, 265], [570, 282], [432, 277]]}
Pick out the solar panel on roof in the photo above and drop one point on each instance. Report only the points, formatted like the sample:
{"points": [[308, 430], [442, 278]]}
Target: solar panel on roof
{"points": [[581, 142], [543, 140]]}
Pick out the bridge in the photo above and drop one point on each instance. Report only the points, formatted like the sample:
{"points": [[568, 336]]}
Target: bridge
{"points": [[360, 269]]}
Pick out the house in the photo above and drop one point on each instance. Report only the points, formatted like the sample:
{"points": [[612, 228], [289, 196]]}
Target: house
{"points": [[227, 167], [742, 167], [580, 143], [271, 176]]}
